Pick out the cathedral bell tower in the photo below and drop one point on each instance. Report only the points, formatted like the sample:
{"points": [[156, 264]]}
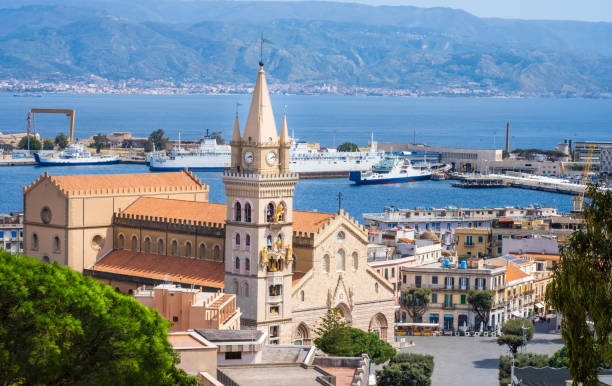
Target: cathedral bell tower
{"points": [[259, 223]]}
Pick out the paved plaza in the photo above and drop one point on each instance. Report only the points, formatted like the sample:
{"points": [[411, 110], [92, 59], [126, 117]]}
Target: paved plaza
{"points": [[473, 360]]}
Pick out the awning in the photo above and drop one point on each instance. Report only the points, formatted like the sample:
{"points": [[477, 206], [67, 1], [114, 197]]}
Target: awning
{"points": [[517, 314], [539, 305]]}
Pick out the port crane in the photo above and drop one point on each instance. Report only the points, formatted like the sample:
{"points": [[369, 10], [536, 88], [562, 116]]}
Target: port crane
{"points": [[577, 200], [69, 112]]}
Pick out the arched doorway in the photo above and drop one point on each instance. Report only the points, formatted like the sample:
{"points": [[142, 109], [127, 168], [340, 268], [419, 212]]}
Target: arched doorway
{"points": [[345, 313], [302, 335], [378, 325]]}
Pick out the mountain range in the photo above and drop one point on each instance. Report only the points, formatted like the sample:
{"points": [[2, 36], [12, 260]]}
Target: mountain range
{"points": [[428, 51]]}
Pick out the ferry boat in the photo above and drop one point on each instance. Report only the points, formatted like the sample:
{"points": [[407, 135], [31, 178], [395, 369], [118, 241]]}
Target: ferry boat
{"points": [[210, 156], [207, 156], [393, 170], [75, 154]]}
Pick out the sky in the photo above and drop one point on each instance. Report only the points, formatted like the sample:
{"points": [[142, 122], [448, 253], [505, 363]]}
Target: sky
{"points": [[583, 10]]}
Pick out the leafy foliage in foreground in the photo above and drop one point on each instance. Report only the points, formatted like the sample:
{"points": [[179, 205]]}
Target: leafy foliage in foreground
{"points": [[59, 327], [581, 289], [407, 369], [335, 338], [513, 333]]}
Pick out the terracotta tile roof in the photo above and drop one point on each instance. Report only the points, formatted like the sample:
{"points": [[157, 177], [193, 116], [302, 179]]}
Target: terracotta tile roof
{"points": [[297, 276], [160, 267], [514, 273], [310, 222], [132, 182], [540, 256], [344, 375], [405, 240], [178, 209]]}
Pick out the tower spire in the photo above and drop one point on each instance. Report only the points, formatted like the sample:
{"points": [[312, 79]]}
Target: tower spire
{"points": [[236, 136], [260, 126], [284, 137]]}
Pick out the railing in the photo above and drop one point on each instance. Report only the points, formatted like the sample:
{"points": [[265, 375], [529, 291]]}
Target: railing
{"points": [[448, 305]]}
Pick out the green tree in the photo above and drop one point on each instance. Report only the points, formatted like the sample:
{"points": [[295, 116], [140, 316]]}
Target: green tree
{"points": [[581, 288], [512, 332], [415, 301], [348, 146], [332, 335], [159, 141], [407, 369], [47, 144], [559, 358], [336, 339], [100, 141], [481, 302], [34, 143], [520, 360], [368, 342], [61, 140], [149, 146], [60, 327]]}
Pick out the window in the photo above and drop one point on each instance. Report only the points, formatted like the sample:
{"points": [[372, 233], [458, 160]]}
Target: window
{"points": [[35, 241], [463, 283], [434, 298], [247, 264], [340, 261], [56, 244], [237, 211], [449, 282], [217, 253], [275, 290], [270, 213], [392, 272], [499, 250], [499, 237], [14, 234], [237, 239], [418, 281], [462, 298], [279, 239], [174, 248], [160, 247], [188, 249], [302, 295], [148, 245], [434, 280], [326, 263], [480, 239], [404, 278], [247, 240], [121, 242], [202, 251], [341, 235], [229, 355], [387, 273], [269, 242], [1, 234], [134, 243], [237, 264], [355, 260], [245, 289], [274, 310], [273, 331], [468, 240], [247, 212]]}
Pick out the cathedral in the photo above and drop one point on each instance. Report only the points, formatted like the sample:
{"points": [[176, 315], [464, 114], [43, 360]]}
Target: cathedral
{"points": [[286, 267]]}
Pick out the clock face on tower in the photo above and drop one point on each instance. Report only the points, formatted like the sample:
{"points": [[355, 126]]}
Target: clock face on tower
{"points": [[248, 157], [271, 157]]}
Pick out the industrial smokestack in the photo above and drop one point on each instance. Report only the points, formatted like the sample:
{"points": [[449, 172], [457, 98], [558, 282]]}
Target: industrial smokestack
{"points": [[508, 137]]}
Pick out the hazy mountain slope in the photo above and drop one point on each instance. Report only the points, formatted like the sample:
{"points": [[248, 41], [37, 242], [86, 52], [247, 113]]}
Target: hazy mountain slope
{"points": [[425, 50]]}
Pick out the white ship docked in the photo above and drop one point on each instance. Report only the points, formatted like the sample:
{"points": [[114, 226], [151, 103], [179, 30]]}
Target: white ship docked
{"points": [[210, 156], [393, 170], [75, 154]]}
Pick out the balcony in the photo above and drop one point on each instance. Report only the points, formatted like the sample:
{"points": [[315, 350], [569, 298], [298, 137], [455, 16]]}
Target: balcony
{"points": [[448, 305]]}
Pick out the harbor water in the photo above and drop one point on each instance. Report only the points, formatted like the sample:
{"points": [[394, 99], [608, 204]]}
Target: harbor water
{"points": [[319, 194]]}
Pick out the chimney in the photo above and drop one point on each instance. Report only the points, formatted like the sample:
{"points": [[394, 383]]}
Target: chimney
{"points": [[508, 137]]}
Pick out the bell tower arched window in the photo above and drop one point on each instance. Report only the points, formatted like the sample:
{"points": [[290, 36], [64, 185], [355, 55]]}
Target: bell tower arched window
{"points": [[270, 212], [269, 242], [237, 239], [238, 212], [247, 240], [247, 212]]}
